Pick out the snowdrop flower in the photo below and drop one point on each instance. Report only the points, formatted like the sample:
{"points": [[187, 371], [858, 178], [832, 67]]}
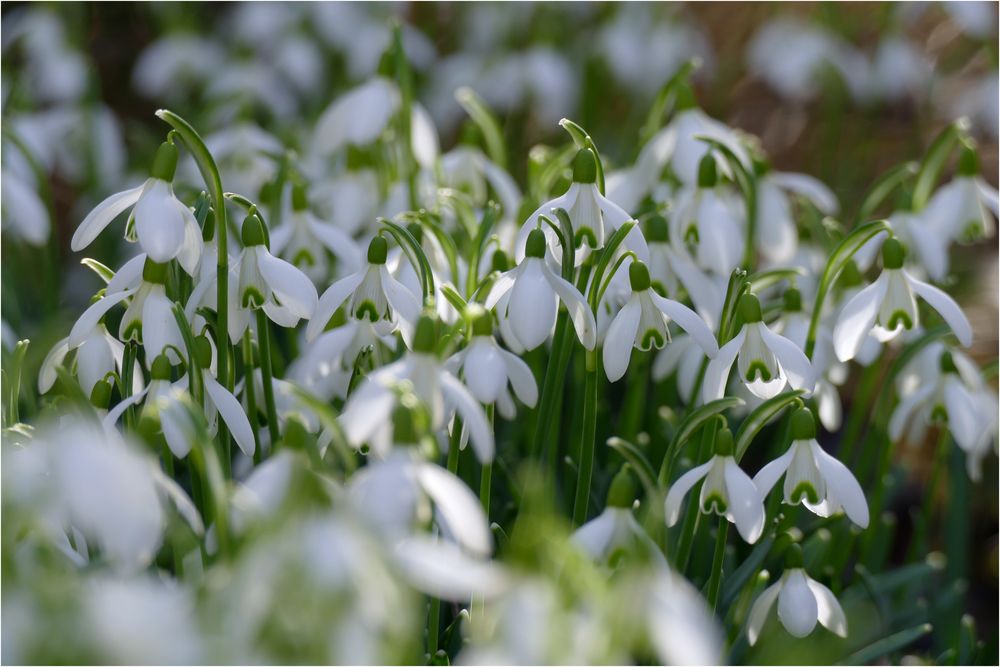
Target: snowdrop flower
{"points": [[776, 232], [688, 124], [98, 355], [708, 222], [534, 294], [726, 491], [367, 415], [372, 295], [465, 168], [888, 307], [661, 258], [303, 240], [165, 227], [267, 282], [802, 602], [684, 356], [594, 217], [766, 360], [816, 479], [965, 208], [25, 215], [394, 493], [615, 529], [173, 64], [789, 55], [642, 324], [326, 364], [247, 156], [488, 369]]}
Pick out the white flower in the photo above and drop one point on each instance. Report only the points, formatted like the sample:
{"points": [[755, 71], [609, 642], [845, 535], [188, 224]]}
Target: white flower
{"points": [[326, 364], [801, 603], [888, 307], [726, 491], [766, 361], [466, 168], [642, 324], [964, 209], [708, 222], [303, 240], [372, 295], [690, 123], [814, 478], [206, 294], [534, 295], [267, 282], [776, 233], [594, 217], [165, 226], [366, 416], [683, 356], [488, 369], [24, 213], [97, 355]]}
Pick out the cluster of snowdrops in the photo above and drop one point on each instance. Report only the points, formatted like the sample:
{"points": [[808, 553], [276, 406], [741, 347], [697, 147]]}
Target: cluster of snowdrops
{"points": [[274, 432]]}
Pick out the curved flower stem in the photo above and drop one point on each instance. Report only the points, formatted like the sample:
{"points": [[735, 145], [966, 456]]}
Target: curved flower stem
{"points": [[264, 349], [715, 580], [248, 382], [580, 505]]}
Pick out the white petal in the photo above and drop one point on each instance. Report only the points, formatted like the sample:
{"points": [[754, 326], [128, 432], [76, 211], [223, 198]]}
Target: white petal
{"points": [[459, 508], [159, 328], [94, 360], [620, 339], [744, 502], [232, 414], [717, 373], [190, 252], [92, 316], [533, 306], [158, 223], [400, 299], [946, 308], [758, 613], [115, 413], [485, 371], [811, 188], [579, 311], [291, 287], [102, 215], [47, 375], [179, 499], [857, 317], [797, 607], [594, 537], [688, 320], [792, 360], [521, 378], [501, 286], [769, 475], [332, 299], [472, 415], [680, 488], [841, 486], [903, 415], [128, 276], [339, 242], [831, 614], [963, 420], [442, 570]]}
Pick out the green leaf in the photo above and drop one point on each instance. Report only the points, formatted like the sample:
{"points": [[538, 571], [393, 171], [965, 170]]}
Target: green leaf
{"points": [[839, 258], [453, 297], [415, 254], [490, 215], [884, 186], [737, 287], [761, 417], [761, 280], [887, 645], [103, 272], [582, 140], [14, 381], [565, 233], [742, 574], [329, 420], [689, 426], [481, 115], [639, 462], [607, 255], [194, 372], [665, 100], [934, 161]]}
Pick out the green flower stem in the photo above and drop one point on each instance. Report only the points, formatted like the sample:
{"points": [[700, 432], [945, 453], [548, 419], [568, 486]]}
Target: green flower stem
{"points": [[635, 396], [264, 349], [587, 442], [486, 476], [859, 411], [715, 581], [248, 382], [433, 626], [453, 446], [918, 544], [128, 370], [562, 347], [168, 468], [692, 515]]}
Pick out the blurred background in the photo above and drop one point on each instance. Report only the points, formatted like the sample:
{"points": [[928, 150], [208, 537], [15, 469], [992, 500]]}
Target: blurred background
{"points": [[841, 91]]}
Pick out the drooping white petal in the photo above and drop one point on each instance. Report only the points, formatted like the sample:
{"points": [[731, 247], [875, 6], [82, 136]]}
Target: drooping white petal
{"points": [[793, 361], [904, 413], [458, 506], [94, 360], [717, 373], [595, 536], [189, 254], [338, 242], [47, 375], [115, 413], [292, 288], [620, 339], [501, 286], [758, 613], [811, 188], [841, 486], [232, 414], [769, 475], [579, 312], [400, 299], [485, 370], [946, 307], [472, 415], [442, 570], [92, 316], [159, 328], [158, 223], [797, 607], [521, 378], [332, 299], [128, 276], [102, 215], [533, 305], [964, 421], [830, 613], [680, 488], [744, 502], [688, 320], [179, 499], [857, 317]]}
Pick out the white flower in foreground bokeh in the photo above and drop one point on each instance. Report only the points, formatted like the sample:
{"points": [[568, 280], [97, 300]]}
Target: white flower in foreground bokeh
{"points": [[813, 477], [726, 491], [802, 602], [888, 307], [615, 529], [25, 215]]}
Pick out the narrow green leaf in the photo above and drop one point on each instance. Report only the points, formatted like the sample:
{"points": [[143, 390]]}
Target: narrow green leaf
{"points": [[761, 417], [103, 272], [689, 426], [884, 186], [481, 115], [607, 255], [935, 159], [887, 645], [665, 99], [761, 280], [453, 297], [639, 462], [490, 215], [415, 254]]}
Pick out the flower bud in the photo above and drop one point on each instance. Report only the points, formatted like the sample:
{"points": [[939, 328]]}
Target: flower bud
{"points": [[165, 162], [417, 231], [792, 300], [622, 490], [803, 424], [161, 369], [724, 443], [253, 231], [482, 321], [535, 245], [750, 309], [203, 351], [585, 166], [947, 363], [968, 161], [500, 262], [851, 275], [893, 254], [638, 275], [378, 250]]}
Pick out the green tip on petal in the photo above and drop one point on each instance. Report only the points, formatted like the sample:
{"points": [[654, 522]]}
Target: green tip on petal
{"points": [[378, 250], [803, 424], [253, 231], [585, 166], [793, 300], [750, 309], [623, 488], [793, 557], [165, 162], [100, 395], [300, 201], [161, 369], [535, 246], [893, 254], [638, 274], [708, 172], [425, 336], [656, 229], [724, 443], [154, 272]]}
